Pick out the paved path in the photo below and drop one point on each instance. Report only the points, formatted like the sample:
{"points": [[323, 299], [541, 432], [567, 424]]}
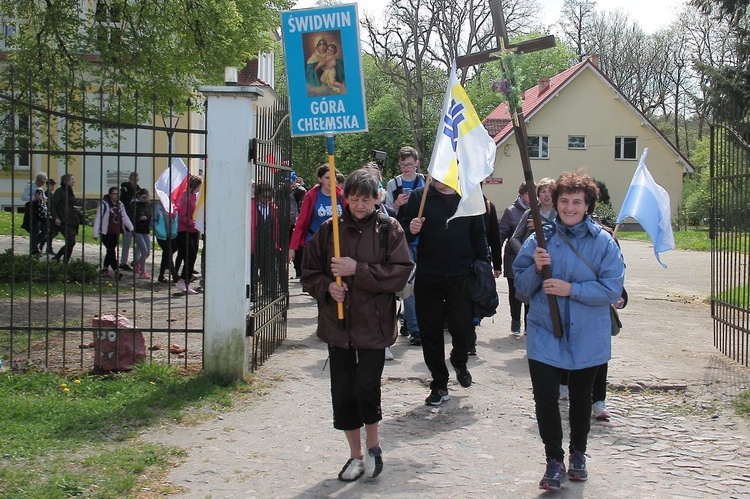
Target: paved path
{"points": [[680, 438]]}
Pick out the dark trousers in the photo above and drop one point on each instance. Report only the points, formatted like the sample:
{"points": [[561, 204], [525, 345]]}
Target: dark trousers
{"points": [[599, 393], [66, 251], [168, 247], [297, 262], [437, 298], [515, 303], [187, 252], [545, 382], [110, 242], [355, 386], [51, 234], [39, 233]]}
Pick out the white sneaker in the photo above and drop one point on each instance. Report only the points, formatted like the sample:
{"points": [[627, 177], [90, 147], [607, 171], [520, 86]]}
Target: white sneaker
{"points": [[388, 353], [599, 410], [564, 394], [373, 462], [352, 470], [181, 286], [191, 291]]}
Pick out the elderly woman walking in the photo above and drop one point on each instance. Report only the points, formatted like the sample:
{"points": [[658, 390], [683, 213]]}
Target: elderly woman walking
{"points": [[587, 276], [373, 266]]}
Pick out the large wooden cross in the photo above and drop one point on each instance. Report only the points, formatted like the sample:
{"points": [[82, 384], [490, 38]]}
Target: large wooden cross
{"points": [[519, 124], [503, 44]]}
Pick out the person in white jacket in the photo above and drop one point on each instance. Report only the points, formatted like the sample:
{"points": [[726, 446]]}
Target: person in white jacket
{"points": [[111, 220]]}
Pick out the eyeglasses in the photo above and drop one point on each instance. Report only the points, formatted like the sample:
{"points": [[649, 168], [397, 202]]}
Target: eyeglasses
{"points": [[407, 165]]}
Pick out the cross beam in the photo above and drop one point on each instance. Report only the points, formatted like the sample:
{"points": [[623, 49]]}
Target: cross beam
{"points": [[503, 44], [519, 126]]}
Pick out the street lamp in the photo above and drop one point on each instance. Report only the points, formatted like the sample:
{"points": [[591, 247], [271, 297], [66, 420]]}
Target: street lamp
{"points": [[170, 123]]}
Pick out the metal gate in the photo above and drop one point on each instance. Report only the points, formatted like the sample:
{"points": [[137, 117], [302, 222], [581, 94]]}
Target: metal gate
{"points": [[49, 301], [271, 220], [730, 239]]}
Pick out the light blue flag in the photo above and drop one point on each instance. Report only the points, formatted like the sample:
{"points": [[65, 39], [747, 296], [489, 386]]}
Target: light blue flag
{"points": [[648, 203], [464, 153]]}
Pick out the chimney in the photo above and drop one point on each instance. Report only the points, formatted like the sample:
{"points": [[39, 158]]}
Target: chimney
{"points": [[543, 85], [594, 58]]}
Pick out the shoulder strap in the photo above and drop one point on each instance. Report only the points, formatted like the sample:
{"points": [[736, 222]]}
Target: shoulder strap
{"points": [[566, 241], [383, 221]]}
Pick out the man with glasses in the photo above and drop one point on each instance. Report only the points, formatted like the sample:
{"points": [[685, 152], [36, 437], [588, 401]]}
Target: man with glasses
{"points": [[397, 194]]}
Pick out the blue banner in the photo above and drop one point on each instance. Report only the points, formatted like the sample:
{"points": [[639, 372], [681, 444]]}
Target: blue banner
{"points": [[322, 45]]}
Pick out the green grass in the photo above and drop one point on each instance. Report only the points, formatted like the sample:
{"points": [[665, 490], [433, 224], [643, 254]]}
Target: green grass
{"points": [[739, 296], [692, 239], [7, 221], [77, 436]]}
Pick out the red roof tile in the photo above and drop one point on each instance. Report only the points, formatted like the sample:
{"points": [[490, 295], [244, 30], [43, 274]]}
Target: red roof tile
{"points": [[498, 122]]}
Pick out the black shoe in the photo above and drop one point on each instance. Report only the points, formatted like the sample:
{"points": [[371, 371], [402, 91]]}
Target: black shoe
{"points": [[125, 266], [437, 397], [472, 351], [415, 340], [462, 375], [403, 331], [515, 327], [163, 279]]}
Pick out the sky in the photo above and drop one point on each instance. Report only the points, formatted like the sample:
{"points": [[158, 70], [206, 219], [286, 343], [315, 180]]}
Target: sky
{"points": [[650, 14]]}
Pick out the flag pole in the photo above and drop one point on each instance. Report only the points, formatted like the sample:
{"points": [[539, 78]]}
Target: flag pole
{"points": [[424, 194], [335, 217]]}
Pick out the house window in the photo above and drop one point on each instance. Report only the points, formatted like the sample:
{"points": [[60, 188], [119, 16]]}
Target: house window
{"points": [[9, 29], [108, 25], [17, 143], [625, 148], [576, 142], [538, 146]]}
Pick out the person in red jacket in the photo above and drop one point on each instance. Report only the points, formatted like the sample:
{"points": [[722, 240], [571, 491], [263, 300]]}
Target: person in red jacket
{"points": [[316, 209], [187, 233]]}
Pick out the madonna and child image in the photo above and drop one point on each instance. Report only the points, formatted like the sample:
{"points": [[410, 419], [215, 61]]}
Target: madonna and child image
{"points": [[324, 69]]}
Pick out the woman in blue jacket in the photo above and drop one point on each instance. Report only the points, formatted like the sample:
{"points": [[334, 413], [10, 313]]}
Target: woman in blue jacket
{"points": [[587, 276]]}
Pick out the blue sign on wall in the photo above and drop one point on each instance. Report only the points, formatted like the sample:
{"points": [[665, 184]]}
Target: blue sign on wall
{"points": [[324, 70]]}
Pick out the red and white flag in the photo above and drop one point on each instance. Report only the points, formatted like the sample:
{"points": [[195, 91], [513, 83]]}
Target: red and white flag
{"points": [[172, 184]]}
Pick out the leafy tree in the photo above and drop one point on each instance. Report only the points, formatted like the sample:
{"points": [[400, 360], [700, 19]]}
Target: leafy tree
{"points": [[729, 92], [167, 47]]}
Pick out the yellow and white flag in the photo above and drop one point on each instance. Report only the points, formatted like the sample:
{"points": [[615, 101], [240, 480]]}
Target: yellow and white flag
{"points": [[464, 153]]}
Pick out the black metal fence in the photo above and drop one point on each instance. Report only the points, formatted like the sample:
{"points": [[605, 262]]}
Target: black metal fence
{"points": [[54, 306], [270, 232], [730, 239]]}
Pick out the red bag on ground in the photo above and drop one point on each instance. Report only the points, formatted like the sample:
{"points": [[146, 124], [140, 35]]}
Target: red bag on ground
{"points": [[116, 350]]}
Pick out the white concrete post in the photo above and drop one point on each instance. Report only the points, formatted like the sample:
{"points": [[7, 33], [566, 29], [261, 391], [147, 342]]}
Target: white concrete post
{"points": [[230, 124]]}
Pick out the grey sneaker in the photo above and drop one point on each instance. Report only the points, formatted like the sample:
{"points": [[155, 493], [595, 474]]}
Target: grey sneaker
{"points": [[352, 470], [437, 397], [554, 476], [373, 462], [577, 467]]}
